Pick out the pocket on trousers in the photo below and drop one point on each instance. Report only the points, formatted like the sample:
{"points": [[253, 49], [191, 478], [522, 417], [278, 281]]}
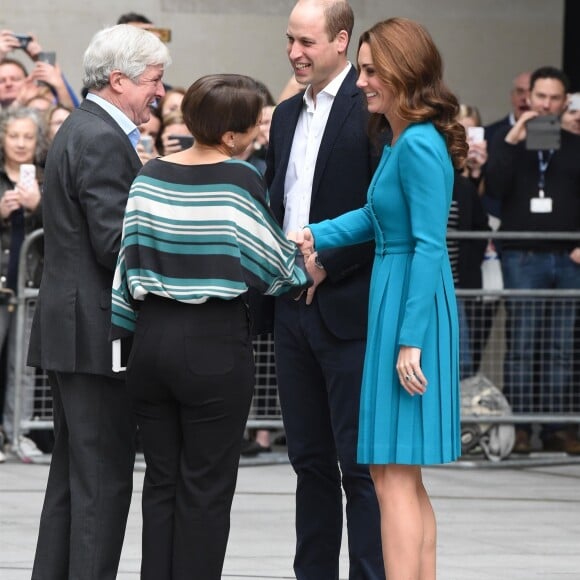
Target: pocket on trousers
{"points": [[209, 355]]}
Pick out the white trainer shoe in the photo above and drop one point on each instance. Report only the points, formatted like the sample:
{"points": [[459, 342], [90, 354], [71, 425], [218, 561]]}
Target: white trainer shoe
{"points": [[2, 454], [27, 448]]}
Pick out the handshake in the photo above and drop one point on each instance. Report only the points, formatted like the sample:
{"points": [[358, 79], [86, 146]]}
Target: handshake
{"points": [[305, 242]]}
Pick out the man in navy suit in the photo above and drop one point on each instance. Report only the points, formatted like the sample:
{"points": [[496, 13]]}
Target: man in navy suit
{"points": [[320, 163], [89, 171]]}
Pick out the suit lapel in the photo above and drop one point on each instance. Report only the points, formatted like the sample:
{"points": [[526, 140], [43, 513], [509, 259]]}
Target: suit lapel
{"points": [[290, 122], [343, 103], [95, 109], [286, 128]]}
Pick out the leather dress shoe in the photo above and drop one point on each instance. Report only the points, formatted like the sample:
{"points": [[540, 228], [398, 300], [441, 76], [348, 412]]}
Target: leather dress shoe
{"points": [[250, 448], [563, 441]]}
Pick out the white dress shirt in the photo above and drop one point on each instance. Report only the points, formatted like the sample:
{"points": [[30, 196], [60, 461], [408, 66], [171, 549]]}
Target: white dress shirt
{"points": [[304, 153]]}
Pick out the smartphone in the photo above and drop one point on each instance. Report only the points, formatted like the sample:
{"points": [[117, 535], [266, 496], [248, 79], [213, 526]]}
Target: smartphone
{"points": [[24, 39], [475, 134], [164, 34], [27, 175], [185, 141], [147, 144], [574, 103], [543, 133], [47, 56]]}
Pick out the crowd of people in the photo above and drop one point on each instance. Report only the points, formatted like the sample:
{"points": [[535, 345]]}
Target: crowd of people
{"points": [[179, 223]]}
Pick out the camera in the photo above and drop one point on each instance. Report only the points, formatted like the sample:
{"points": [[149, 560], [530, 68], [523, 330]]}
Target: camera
{"points": [[543, 133], [24, 39]]}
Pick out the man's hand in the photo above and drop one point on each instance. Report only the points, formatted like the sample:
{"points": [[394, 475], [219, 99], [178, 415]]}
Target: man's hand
{"points": [[47, 73], [518, 132], [305, 242], [575, 255], [8, 43], [28, 91], [317, 274], [33, 48]]}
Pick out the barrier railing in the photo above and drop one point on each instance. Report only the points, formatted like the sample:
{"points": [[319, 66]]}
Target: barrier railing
{"points": [[550, 396]]}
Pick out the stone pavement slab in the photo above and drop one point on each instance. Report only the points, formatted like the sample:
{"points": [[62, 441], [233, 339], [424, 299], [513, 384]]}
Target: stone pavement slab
{"points": [[512, 522]]}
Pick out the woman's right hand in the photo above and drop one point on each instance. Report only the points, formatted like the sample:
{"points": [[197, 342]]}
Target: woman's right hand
{"points": [[10, 202], [304, 240]]}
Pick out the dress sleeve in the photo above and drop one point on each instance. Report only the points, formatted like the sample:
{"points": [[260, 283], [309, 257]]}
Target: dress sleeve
{"points": [[422, 170], [353, 227], [268, 258]]}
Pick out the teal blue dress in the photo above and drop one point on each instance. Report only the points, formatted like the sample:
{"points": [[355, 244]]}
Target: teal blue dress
{"points": [[412, 302]]}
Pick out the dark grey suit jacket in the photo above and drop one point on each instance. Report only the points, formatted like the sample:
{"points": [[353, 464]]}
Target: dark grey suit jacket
{"points": [[89, 171], [343, 171]]}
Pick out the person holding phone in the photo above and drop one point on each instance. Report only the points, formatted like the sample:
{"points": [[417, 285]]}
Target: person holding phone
{"points": [[46, 72], [571, 116], [175, 135], [539, 191], [23, 146]]}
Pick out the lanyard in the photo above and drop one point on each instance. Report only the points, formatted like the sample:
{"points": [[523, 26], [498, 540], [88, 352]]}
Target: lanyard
{"points": [[543, 167]]}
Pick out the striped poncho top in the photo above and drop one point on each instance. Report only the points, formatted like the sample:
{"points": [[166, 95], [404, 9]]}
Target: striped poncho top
{"points": [[194, 232]]}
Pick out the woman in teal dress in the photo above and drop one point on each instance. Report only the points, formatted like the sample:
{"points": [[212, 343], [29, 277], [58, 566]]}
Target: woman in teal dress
{"points": [[410, 404]]}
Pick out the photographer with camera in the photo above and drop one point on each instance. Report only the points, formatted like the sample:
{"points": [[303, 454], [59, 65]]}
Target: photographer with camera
{"points": [[17, 87], [533, 168]]}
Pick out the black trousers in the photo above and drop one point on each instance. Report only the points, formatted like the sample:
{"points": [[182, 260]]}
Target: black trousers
{"points": [[191, 377], [90, 482], [319, 380]]}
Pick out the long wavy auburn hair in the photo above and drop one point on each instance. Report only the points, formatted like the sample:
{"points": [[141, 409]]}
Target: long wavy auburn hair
{"points": [[407, 61]]}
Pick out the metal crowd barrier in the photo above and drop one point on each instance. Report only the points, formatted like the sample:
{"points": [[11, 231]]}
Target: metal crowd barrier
{"points": [[486, 312]]}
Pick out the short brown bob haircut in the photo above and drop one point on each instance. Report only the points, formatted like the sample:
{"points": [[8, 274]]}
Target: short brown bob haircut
{"points": [[216, 104]]}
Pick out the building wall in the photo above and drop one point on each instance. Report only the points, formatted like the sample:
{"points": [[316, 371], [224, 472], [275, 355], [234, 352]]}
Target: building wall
{"points": [[484, 44]]}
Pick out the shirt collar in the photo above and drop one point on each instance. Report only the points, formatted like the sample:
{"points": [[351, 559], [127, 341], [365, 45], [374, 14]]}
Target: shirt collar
{"points": [[330, 89], [128, 127]]}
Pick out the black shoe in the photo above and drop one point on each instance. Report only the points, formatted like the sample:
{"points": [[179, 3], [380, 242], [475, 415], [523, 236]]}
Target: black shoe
{"points": [[250, 448], [562, 441]]}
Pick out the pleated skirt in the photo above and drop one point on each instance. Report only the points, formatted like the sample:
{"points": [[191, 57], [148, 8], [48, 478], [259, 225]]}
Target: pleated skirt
{"points": [[394, 426]]}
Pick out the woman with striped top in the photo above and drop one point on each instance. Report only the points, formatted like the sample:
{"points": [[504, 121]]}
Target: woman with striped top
{"points": [[197, 235]]}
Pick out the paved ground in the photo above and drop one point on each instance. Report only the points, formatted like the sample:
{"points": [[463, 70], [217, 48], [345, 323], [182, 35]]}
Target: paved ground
{"points": [[516, 522]]}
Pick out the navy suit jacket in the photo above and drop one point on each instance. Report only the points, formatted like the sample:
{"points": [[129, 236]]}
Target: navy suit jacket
{"points": [[343, 171]]}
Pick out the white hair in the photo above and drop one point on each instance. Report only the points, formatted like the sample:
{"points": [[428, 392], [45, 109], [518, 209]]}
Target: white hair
{"points": [[125, 48]]}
